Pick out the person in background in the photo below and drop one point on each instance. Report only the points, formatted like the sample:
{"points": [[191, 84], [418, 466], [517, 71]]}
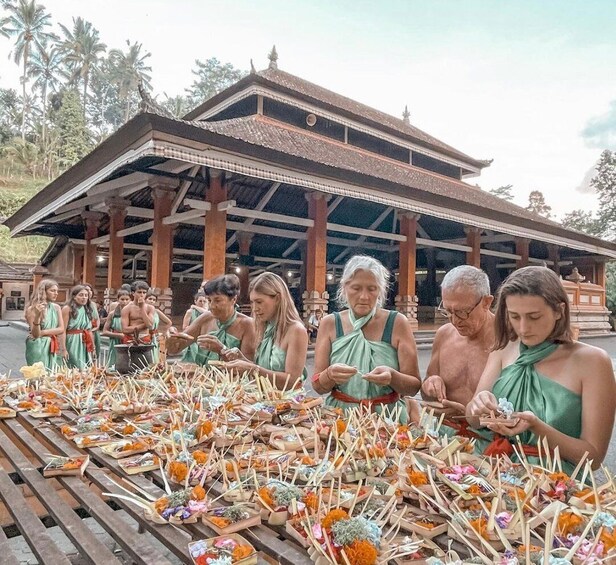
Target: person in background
{"points": [[45, 343], [366, 355], [78, 317], [313, 323], [96, 320], [198, 307], [113, 326], [159, 316], [138, 315], [560, 389], [281, 337]]}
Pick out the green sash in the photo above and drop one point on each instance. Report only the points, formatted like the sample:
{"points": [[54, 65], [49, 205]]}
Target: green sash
{"points": [[204, 356], [39, 349], [78, 355], [269, 355], [190, 353], [115, 326], [96, 330], [156, 349], [355, 350]]}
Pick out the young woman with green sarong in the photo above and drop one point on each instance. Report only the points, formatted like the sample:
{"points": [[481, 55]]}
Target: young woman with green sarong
{"points": [[198, 307], [159, 316], [366, 355], [96, 321], [113, 326], [222, 328], [560, 389], [46, 340], [78, 320], [281, 337]]}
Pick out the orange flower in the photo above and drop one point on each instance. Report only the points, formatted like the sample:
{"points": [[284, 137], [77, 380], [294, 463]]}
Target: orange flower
{"points": [[178, 471], [311, 500], [204, 430], [265, 495], [307, 460], [341, 427], [480, 526], [333, 516], [585, 495], [200, 457], [241, 552], [66, 430], [198, 492], [52, 409], [425, 524], [557, 477], [219, 521], [361, 552], [417, 478], [72, 464], [474, 490], [128, 429], [568, 523], [376, 452], [133, 446], [608, 539], [26, 405], [161, 504]]}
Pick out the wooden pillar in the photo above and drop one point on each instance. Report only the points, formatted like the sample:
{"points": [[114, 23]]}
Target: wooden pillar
{"points": [[92, 220], [117, 214], [406, 301], [77, 263], [600, 274], [214, 251], [522, 248], [473, 240], [244, 240], [554, 252], [162, 243], [315, 296]]}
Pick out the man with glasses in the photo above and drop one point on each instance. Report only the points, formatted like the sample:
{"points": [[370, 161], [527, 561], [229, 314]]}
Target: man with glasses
{"points": [[461, 347]]}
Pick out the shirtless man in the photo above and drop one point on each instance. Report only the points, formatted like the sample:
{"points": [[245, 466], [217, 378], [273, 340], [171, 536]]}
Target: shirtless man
{"points": [[461, 348], [138, 315]]}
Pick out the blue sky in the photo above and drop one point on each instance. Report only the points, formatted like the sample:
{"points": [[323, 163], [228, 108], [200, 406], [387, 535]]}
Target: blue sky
{"points": [[531, 84]]}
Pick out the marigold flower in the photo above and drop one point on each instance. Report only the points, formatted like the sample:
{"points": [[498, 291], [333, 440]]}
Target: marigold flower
{"points": [[200, 457], [558, 477], [333, 516], [608, 539], [129, 429], [178, 471], [241, 552], [361, 552], [475, 490], [161, 504], [204, 430], [341, 426], [585, 495], [219, 521], [568, 523], [265, 494], [311, 500], [480, 526], [198, 492], [417, 478]]}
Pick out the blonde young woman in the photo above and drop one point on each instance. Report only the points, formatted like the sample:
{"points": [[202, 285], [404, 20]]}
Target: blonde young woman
{"points": [[46, 340], [282, 339]]}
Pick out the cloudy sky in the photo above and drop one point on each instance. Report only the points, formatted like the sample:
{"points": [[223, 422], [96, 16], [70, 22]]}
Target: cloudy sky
{"points": [[530, 84]]}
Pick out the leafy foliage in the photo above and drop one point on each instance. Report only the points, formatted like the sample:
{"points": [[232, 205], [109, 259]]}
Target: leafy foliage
{"points": [[537, 204], [212, 77], [604, 183], [505, 192], [582, 221]]}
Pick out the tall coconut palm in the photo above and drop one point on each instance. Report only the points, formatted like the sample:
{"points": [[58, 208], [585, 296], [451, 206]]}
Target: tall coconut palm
{"points": [[47, 69], [27, 23], [83, 49], [129, 68]]}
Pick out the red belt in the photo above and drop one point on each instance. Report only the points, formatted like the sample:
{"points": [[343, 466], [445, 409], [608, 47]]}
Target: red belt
{"points": [[462, 428], [53, 345], [501, 445], [146, 339], [390, 398], [86, 336]]}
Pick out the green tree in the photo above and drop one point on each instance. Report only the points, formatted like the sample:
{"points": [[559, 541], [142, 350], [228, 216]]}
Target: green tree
{"points": [[212, 77], [10, 113], [179, 105], [604, 183], [27, 22], [129, 68], [582, 221], [537, 204], [504, 192], [83, 49], [24, 155], [72, 130]]}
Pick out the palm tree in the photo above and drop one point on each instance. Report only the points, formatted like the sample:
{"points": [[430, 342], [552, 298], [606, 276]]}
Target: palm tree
{"points": [[26, 22], [46, 68], [82, 49], [128, 70]]}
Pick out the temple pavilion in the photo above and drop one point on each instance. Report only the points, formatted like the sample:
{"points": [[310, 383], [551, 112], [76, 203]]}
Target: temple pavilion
{"points": [[276, 173]]}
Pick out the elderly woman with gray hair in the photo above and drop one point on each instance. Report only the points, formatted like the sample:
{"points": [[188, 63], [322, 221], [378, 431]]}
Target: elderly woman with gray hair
{"points": [[366, 355]]}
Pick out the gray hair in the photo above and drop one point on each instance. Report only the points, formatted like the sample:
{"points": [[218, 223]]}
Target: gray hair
{"points": [[364, 263], [467, 277]]}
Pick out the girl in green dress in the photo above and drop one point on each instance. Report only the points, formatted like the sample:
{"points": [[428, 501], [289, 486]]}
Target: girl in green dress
{"points": [[366, 355], [281, 337], [560, 389], [46, 340], [159, 316], [113, 326], [96, 321], [78, 319], [198, 307], [222, 331]]}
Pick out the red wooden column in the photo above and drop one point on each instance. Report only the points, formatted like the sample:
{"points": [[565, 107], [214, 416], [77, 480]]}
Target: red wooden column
{"points": [[315, 296], [77, 263], [554, 252], [214, 252], [473, 240], [406, 301], [92, 220], [244, 240], [162, 244], [117, 214], [521, 248]]}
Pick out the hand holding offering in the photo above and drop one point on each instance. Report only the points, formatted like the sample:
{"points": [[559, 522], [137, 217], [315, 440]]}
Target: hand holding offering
{"points": [[340, 373], [379, 375]]}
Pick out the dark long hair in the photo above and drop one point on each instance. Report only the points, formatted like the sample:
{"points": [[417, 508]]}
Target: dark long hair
{"points": [[73, 305], [118, 310], [532, 281]]}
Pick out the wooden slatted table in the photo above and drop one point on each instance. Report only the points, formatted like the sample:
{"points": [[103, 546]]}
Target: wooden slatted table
{"points": [[25, 439]]}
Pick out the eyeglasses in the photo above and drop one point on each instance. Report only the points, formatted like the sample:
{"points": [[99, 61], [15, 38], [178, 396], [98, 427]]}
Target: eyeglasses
{"points": [[460, 314]]}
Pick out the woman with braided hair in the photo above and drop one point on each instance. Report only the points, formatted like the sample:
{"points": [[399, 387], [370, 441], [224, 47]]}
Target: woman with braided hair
{"points": [[78, 317]]}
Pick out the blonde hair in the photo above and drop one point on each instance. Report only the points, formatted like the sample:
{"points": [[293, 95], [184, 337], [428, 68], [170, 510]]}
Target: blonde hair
{"points": [[40, 293], [272, 285]]}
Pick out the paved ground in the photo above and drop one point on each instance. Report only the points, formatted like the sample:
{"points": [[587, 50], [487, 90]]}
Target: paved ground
{"points": [[12, 358]]}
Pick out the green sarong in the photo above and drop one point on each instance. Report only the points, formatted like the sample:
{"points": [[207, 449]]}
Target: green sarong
{"points": [[115, 326], [39, 349], [190, 353], [355, 350], [269, 355], [79, 343], [203, 356], [96, 330], [528, 390], [154, 334]]}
